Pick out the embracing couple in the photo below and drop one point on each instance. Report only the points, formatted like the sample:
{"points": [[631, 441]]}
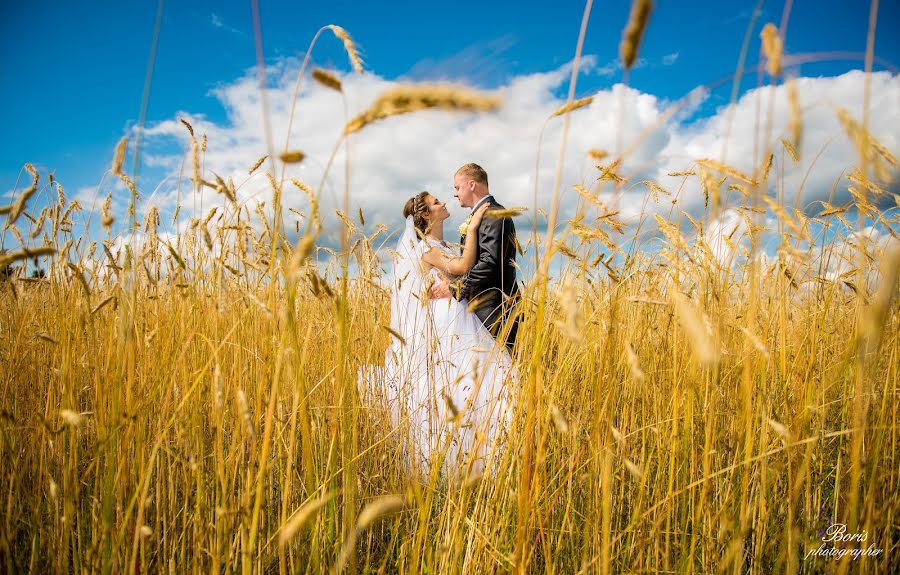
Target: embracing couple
{"points": [[446, 382]]}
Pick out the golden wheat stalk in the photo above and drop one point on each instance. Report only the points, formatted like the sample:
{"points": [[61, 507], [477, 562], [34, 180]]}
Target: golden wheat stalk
{"points": [[634, 364], [655, 189], [587, 195], [697, 327], [119, 156], [609, 172], [791, 150], [634, 31], [406, 99], [107, 219], [767, 167], [256, 165], [15, 231], [71, 418], [313, 203], [670, 232], [376, 509], [727, 170], [596, 154], [212, 212], [633, 469], [781, 214], [189, 127], [327, 79], [301, 517], [863, 181], [18, 207], [772, 49], [291, 157], [24, 254], [562, 248], [346, 220], [885, 153], [572, 106], [106, 301], [559, 419], [505, 213], [795, 125], [47, 337], [711, 187], [831, 210], [588, 233], [867, 146], [39, 225], [877, 313], [755, 341], [349, 47], [862, 202], [301, 253], [195, 157]]}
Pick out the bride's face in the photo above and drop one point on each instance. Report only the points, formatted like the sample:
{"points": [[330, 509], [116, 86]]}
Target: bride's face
{"points": [[437, 210]]}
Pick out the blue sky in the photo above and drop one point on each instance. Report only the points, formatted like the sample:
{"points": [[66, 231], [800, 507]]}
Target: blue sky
{"points": [[73, 77], [73, 72]]}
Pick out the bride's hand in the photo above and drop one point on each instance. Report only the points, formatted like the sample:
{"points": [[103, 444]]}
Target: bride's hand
{"points": [[439, 290], [476, 217]]}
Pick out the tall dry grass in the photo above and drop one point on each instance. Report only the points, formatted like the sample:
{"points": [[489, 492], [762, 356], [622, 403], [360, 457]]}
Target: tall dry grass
{"points": [[190, 403]]}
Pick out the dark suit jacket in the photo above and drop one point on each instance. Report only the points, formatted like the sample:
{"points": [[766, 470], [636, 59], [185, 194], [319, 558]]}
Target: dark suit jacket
{"points": [[491, 283]]}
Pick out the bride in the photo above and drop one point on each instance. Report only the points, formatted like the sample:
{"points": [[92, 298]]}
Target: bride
{"points": [[444, 377]]}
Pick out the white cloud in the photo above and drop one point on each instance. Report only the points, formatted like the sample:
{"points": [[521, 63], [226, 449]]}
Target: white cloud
{"points": [[217, 22], [614, 66], [87, 196], [826, 152], [395, 158]]}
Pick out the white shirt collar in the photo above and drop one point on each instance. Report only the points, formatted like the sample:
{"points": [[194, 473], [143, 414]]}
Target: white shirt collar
{"points": [[481, 201]]}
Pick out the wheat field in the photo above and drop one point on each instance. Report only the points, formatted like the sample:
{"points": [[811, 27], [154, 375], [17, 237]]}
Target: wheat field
{"points": [[189, 402]]}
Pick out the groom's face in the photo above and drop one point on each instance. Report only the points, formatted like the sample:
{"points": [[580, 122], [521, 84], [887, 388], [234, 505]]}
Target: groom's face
{"points": [[464, 190]]}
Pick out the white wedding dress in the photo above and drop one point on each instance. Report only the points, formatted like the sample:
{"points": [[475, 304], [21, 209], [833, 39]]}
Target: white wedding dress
{"points": [[446, 383]]}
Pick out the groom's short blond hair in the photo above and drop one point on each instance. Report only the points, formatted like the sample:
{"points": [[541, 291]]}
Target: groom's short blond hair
{"points": [[475, 172]]}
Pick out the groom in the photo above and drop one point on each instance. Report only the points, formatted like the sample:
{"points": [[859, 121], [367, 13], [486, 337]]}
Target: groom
{"points": [[490, 286]]}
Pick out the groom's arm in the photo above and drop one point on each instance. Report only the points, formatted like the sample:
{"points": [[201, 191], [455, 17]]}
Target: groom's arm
{"points": [[481, 276]]}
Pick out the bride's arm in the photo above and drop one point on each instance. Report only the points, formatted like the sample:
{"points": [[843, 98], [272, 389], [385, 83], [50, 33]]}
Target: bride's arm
{"points": [[459, 265]]}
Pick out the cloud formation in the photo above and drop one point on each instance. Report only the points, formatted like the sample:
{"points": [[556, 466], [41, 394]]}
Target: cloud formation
{"points": [[395, 158], [217, 22]]}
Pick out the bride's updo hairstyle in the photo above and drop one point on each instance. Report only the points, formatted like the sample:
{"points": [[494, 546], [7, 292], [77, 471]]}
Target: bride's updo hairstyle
{"points": [[417, 207]]}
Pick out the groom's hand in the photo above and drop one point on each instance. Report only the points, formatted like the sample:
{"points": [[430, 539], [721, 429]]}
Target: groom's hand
{"points": [[439, 291]]}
